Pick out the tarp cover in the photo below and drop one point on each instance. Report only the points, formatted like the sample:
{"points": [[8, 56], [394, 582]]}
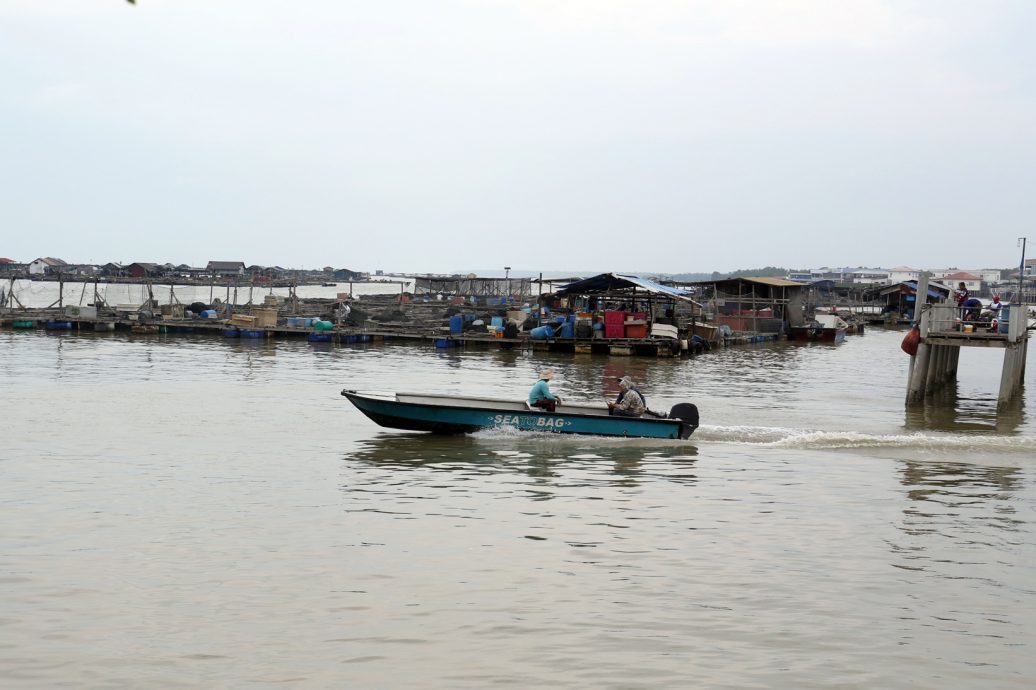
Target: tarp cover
{"points": [[611, 282], [933, 293]]}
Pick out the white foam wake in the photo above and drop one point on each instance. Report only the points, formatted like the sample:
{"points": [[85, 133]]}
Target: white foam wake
{"points": [[778, 437]]}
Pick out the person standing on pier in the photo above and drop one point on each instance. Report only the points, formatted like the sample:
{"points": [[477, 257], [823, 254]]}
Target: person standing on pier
{"points": [[962, 294]]}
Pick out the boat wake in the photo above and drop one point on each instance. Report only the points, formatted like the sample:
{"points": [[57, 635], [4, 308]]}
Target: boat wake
{"points": [[512, 434], [917, 442]]}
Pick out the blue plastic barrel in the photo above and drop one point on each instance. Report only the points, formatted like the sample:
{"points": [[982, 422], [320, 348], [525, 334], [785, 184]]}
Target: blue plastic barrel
{"points": [[541, 333], [456, 323], [568, 330]]}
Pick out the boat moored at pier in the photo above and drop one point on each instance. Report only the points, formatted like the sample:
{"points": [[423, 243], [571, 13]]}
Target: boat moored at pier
{"points": [[827, 328]]}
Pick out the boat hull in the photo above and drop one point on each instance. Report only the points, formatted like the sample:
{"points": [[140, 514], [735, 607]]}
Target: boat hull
{"points": [[823, 335], [454, 419]]}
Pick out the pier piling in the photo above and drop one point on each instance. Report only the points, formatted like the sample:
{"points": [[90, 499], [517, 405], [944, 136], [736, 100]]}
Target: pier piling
{"points": [[943, 334]]}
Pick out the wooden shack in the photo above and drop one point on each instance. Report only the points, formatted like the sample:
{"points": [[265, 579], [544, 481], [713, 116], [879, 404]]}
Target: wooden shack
{"points": [[899, 299], [754, 305]]}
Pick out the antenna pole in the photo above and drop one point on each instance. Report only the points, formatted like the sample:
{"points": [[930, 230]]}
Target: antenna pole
{"points": [[1021, 272]]}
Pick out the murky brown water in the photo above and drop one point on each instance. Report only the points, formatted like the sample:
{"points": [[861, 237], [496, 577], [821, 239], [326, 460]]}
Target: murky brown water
{"points": [[187, 512]]}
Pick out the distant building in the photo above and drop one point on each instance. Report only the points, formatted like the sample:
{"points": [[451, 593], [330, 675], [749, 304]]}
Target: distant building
{"points": [[113, 270], [226, 268], [143, 270], [972, 282], [902, 274], [870, 276], [82, 270], [346, 274], [836, 275], [46, 265], [10, 267], [989, 276]]}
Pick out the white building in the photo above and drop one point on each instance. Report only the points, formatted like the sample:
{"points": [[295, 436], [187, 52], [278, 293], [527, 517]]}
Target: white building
{"points": [[901, 274], [45, 265], [870, 276], [972, 282]]}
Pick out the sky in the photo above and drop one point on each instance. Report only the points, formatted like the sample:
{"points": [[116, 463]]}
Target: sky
{"points": [[545, 135]]}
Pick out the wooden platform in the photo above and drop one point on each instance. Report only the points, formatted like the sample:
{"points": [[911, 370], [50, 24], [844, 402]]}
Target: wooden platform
{"points": [[983, 338], [348, 335]]}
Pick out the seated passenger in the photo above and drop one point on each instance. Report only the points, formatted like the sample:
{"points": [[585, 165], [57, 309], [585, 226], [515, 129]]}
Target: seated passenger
{"points": [[993, 311], [630, 402], [540, 395]]}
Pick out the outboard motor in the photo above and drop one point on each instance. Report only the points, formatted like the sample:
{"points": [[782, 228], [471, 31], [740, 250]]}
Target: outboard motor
{"points": [[688, 416]]}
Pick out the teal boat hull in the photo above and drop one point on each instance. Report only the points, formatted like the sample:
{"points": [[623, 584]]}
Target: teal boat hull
{"points": [[445, 419]]}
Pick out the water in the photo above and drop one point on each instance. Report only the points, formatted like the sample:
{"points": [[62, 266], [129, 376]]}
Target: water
{"points": [[189, 512]]}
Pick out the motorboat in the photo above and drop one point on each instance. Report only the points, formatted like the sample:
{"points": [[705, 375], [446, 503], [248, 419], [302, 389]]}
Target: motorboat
{"points": [[449, 414], [828, 328]]}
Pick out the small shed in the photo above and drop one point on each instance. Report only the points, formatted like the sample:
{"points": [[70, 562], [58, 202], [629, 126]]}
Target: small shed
{"points": [[756, 304], [491, 290], [630, 294], [900, 299]]}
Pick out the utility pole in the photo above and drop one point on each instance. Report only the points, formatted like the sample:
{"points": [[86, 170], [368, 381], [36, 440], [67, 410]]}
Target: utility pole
{"points": [[1021, 273]]}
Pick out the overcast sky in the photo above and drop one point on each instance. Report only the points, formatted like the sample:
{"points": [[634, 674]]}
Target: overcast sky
{"points": [[553, 135]]}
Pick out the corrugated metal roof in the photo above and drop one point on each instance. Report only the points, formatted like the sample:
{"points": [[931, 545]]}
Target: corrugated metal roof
{"points": [[621, 281], [775, 282], [935, 290], [760, 280]]}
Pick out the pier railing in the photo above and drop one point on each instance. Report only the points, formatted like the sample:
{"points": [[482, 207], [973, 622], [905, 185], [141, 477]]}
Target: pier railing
{"points": [[948, 318]]}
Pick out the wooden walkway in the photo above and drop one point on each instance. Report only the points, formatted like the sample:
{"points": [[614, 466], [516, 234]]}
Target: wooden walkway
{"points": [[440, 338]]}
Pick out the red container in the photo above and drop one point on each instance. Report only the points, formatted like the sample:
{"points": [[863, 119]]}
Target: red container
{"points": [[614, 330], [618, 317], [637, 315], [636, 331]]}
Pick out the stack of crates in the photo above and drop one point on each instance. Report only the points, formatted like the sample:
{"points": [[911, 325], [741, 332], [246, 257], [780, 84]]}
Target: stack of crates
{"points": [[614, 324], [636, 324]]}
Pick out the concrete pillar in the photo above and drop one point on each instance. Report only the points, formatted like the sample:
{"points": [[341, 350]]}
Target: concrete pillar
{"points": [[1013, 371], [931, 379], [918, 375]]}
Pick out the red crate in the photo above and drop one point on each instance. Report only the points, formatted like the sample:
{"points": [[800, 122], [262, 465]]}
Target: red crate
{"points": [[618, 317], [636, 330], [614, 330]]}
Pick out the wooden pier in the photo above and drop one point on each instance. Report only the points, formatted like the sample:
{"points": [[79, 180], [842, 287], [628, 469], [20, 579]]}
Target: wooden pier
{"points": [[439, 337], [943, 334]]}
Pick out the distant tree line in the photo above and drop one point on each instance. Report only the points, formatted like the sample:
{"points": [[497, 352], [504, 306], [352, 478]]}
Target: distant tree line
{"points": [[766, 271]]}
